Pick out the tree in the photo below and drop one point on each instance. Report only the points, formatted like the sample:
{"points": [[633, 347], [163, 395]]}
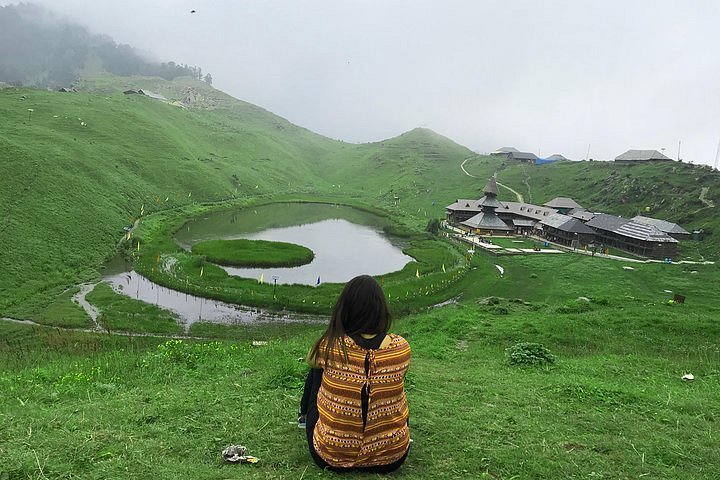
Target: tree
{"points": [[208, 79]]}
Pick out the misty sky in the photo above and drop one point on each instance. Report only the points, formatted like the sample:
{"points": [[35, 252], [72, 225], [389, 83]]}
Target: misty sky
{"points": [[543, 76]]}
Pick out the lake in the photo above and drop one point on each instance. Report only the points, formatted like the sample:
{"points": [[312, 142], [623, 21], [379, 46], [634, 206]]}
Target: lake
{"points": [[347, 242]]}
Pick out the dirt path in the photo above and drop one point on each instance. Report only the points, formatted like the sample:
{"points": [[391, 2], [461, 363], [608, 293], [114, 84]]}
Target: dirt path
{"points": [[462, 167], [703, 193], [103, 331], [517, 194], [92, 312]]}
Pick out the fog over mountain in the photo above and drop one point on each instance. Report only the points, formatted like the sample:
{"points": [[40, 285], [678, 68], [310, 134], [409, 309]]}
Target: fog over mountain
{"points": [[549, 77]]}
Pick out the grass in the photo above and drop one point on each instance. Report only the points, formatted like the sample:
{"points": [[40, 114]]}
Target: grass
{"points": [[119, 313], [63, 312], [80, 405], [254, 253], [612, 406], [406, 291]]}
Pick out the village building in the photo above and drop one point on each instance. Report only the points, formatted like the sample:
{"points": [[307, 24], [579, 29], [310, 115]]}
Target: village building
{"points": [[625, 234], [523, 216], [576, 227], [672, 229], [522, 157], [582, 215], [504, 151], [641, 156], [487, 222], [566, 230], [563, 204], [146, 93]]}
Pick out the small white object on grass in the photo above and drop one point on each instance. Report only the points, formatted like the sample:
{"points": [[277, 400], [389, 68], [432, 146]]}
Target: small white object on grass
{"points": [[688, 376], [500, 269], [259, 343], [628, 268]]}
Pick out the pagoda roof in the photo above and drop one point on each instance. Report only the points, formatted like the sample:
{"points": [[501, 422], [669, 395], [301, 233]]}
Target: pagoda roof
{"points": [[486, 220]]}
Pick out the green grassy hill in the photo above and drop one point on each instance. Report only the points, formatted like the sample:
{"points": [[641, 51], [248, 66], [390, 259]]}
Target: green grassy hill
{"points": [[78, 167]]}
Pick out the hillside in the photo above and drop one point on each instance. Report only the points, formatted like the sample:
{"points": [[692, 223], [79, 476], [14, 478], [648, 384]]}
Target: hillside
{"points": [[49, 51], [80, 166]]}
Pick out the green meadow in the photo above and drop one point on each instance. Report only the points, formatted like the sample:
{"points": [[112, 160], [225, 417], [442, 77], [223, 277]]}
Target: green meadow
{"points": [[254, 253], [144, 400]]}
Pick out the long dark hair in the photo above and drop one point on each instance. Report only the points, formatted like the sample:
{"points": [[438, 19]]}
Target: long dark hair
{"points": [[360, 308]]}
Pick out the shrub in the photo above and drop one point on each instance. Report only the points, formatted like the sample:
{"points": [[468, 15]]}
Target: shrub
{"points": [[433, 226], [199, 260], [574, 306], [489, 301], [528, 353]]}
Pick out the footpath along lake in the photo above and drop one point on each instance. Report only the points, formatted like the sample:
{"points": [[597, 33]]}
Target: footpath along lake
{"points": [[346, 242]]}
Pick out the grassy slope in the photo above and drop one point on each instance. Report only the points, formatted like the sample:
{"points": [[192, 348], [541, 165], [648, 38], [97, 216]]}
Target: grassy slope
{"points": [[613, 407], [70, 188]]}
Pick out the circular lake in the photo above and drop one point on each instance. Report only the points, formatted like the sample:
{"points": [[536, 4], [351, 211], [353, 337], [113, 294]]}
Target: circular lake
{"points": [[347, 242]]}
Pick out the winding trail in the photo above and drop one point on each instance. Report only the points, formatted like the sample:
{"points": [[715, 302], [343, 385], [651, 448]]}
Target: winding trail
{"points": [[703, 193], [92, 312], [103, 331], [517, 194]]}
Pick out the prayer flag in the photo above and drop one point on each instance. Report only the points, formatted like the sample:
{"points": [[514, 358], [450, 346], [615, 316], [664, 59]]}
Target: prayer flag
{"points": [[202, 269], [262, 278], [138, 245], [318, 281], [443, 268], [417, 273]]}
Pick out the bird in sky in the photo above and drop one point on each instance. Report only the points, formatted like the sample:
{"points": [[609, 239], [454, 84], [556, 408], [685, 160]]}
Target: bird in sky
{"points": [[192, 11]]}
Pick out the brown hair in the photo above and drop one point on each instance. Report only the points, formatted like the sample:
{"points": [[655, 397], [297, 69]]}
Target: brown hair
{"points": [[360, 308]]}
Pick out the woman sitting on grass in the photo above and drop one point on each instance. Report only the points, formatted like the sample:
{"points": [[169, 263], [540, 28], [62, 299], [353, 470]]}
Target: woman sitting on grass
{"points": [[354, 407]]}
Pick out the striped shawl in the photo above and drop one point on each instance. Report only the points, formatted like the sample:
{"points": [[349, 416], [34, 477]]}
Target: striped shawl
{"points": [[339, 436]]}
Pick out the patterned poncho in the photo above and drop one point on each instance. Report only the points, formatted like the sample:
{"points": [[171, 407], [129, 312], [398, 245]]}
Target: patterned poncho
{"points": [[342, 437]]}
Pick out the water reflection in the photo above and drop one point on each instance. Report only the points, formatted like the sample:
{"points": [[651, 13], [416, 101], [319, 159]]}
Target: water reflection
{"points": [[347, 242], [191, 309], [342, 250]]}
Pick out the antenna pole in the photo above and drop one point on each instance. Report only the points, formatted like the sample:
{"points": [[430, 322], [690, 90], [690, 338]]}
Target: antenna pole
{"points": [[587, 155], [679, 141], [717, 155]]}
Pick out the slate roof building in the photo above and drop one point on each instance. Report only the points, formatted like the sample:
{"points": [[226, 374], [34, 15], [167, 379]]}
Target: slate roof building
{"points": [[628, 235], [563, 204], [672, 229], [642, 236], [486, 222], [503, 151], [528, 211], [566, 230], [641, 156], [582, 215], [522, 157]]}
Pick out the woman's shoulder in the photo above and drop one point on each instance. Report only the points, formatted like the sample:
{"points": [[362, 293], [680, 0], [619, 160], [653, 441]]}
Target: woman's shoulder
{"points": [[398, 341]]}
